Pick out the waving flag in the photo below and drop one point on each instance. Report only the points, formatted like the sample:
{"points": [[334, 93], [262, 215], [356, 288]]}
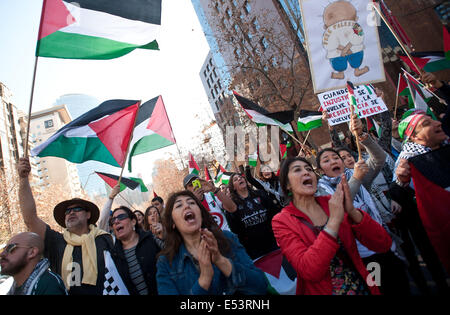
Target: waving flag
{"points": [[432, 185], [309, 120], [262, 117], [193, 167], [253, 159], [152, 131], [281, 276], [430, 61], [207, 175], [141, 183], [446, 42], [112, 181], [102, 134], [222, 176], [97, 29], [351, 97]]}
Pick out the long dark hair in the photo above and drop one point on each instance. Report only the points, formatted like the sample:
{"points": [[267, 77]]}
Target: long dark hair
{"points": [[233, 193], [284, 171], [147, 214], [173, 238]]}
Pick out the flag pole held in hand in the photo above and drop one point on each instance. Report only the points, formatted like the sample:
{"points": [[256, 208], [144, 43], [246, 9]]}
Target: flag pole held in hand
{"points": [[353, 105]]}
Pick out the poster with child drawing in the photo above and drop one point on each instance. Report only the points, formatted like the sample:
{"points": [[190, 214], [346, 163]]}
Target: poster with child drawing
{"points": [[345, 47]]}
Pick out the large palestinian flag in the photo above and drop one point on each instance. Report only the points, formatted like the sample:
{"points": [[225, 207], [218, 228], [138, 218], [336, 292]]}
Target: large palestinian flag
{"points": [[102, 134], [97, 29], [432, 185], [262, 117], [152, 131], [112, 181]]}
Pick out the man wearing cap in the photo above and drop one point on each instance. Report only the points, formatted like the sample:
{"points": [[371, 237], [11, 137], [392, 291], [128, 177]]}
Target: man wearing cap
{"points": [[214, 199], [77, 254]]}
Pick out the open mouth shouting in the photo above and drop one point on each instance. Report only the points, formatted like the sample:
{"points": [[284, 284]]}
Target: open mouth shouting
{"points": [[189, 217]]}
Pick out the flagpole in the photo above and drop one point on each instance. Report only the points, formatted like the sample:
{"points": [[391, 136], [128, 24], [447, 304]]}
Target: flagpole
{"points": [[304, 142], [129, 142], [30, 105], [396, 96], [126, 200], [375, 6], [85, 184], [426, 88]]}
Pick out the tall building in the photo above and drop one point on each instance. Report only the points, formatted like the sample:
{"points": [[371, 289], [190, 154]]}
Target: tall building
{"points": [[92, 184], [53, 170], [10, 139]]}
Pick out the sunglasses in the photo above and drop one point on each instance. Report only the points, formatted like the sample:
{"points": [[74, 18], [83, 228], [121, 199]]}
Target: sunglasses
{"points": [[11, 247], [120, 217], [75, 209]]}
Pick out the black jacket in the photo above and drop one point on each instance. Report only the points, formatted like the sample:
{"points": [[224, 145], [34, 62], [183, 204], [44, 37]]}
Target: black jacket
{"points": [[146, 251]]}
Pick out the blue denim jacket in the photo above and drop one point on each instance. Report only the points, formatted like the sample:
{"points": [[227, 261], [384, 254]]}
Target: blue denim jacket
{"points": [[181, 278]]}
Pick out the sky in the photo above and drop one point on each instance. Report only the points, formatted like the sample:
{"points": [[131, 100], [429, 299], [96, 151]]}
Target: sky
{"points": [[172, 72]]}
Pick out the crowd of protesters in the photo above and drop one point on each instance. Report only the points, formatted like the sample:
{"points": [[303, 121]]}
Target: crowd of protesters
{"points": [[331, 219]]}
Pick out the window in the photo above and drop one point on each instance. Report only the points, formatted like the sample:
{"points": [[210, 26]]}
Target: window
{"points": [[264, 43], [247, 7], [234, 2], [48, 123], [209, 84], [256, 25], [229, 13]]}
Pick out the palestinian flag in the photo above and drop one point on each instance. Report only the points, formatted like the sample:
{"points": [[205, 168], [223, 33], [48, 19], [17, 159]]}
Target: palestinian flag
{"points": [[262, 117], [431, 61], [222, 176], [418, 94], [446, 42], [112, 181], [283, 151], [141, 183], [373, 126], [308, 120], [207, 175], [352, 98], [253, 159], [280, 274], [102, 134], [97, 29], [432, 186], [193, 167], [153, 130]]}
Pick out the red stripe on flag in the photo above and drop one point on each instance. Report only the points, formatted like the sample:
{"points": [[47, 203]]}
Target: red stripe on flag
{"points": [[110, 181], [54, 17], [421, 62], [433, 203], [271, 263], [115, 130], [159, 121]]}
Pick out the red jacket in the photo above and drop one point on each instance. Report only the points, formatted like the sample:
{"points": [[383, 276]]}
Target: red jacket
{"points": [[310, 255]]}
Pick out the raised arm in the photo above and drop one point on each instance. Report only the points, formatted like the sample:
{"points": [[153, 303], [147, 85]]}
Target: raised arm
{"points": [[26, 200], [103, 221]]}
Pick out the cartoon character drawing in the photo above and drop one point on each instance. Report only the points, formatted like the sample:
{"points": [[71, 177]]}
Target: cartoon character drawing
{"points": [[343, 39]]}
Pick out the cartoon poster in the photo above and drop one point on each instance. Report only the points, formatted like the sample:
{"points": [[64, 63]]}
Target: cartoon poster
{"points": [[342, 43]]}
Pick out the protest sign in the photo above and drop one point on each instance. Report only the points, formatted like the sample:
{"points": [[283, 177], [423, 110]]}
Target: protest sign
{"points": [[337, 105], [342, 43]]}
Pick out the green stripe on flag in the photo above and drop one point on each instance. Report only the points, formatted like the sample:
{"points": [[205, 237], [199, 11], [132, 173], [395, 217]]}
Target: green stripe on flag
{"points": [[75, 46], [79, 150]]}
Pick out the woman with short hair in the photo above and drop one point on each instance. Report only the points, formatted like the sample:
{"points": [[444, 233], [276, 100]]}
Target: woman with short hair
{"points": [[134, 253]]}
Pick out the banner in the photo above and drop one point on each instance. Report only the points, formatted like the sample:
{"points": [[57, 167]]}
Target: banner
{"points": [[337, 104], [342, 43]]}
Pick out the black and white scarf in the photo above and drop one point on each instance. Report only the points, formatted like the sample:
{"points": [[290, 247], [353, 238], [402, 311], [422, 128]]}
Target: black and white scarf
{"points": [[32, 280]]}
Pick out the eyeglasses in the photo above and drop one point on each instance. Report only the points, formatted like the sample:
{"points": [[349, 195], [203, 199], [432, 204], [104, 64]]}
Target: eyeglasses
{"points": [[120, 217], [74, 209], [11, 247]]}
